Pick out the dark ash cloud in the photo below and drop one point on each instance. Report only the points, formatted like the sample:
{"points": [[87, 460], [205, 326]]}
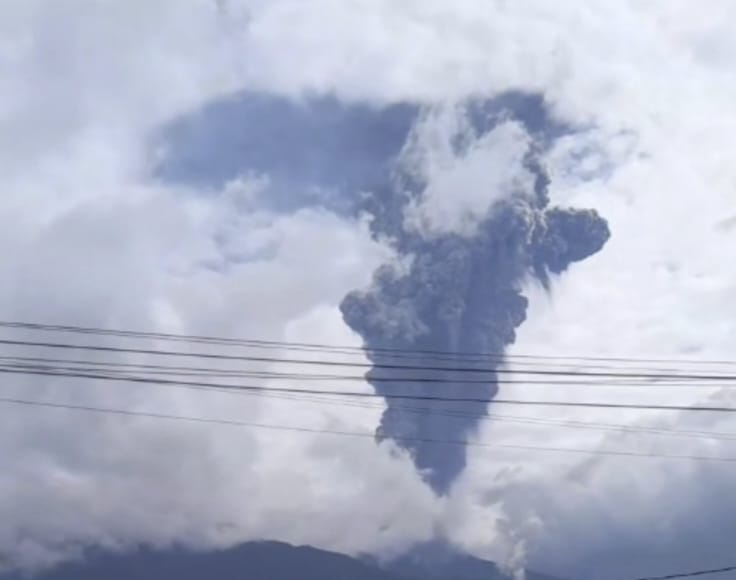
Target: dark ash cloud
{"points": [[462, 293]]}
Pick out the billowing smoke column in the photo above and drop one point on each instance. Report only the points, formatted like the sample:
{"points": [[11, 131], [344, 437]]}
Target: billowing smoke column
{"points": [[461, 293], [462, 289]]}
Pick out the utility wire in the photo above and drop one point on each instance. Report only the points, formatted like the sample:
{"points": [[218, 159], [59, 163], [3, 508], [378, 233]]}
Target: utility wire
{"points": [[275, 427], [76, 364], [333, 363], [354, 394], [504, 418], [337, 348], [430, 411]]}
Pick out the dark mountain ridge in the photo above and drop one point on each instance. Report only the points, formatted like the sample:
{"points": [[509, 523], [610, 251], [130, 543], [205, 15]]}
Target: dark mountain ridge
{"points": [[268, 561]]}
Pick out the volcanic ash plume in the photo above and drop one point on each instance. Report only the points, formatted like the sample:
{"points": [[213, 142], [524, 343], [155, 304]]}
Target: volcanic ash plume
{"points": [[461, 293], [458, 189]]}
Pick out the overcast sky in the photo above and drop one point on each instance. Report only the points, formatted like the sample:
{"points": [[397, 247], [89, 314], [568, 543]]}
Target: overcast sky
{"points": [[90, 236]]}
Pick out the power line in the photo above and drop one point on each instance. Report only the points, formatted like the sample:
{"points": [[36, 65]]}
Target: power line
{"points": [[495, 417], [274, 427], [454, 413], [76, 364], [64, 372], [344, 349], [354, 394], [690, 574], [333, 363]]}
